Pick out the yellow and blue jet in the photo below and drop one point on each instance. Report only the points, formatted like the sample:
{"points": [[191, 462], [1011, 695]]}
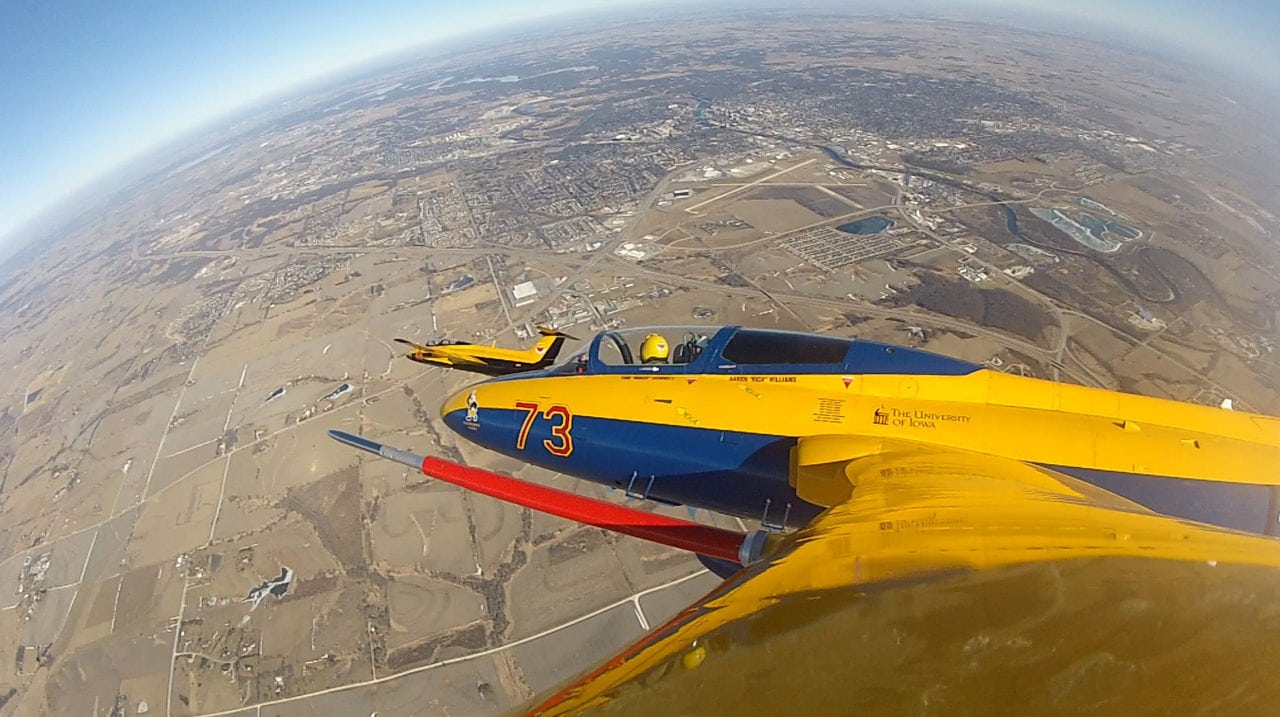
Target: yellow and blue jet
{"points": [[1062, 548]]}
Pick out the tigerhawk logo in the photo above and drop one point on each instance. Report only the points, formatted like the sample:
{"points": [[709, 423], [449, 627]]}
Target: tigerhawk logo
{"points": [[473, 410]]}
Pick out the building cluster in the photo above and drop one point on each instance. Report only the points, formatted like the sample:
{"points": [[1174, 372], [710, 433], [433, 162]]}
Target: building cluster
{"points": [[831, 250], [31, 588], [947, 125], [511, 166], [195, 322]]}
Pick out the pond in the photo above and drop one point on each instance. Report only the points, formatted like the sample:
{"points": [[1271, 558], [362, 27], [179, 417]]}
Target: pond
{"points": [[876, 224]]}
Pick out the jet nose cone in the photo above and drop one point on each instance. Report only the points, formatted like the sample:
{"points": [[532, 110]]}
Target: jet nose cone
{"points": [[461, 410]]}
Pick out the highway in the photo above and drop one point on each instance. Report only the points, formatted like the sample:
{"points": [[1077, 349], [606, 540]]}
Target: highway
{"points": [[868, 309], [1055, 358]]}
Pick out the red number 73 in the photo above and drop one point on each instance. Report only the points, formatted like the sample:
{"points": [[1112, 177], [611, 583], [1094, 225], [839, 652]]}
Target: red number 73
{"points": [[561, 442]]}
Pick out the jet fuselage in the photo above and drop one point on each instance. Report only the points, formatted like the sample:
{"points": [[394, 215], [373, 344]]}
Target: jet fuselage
{"points": [[737, 426]]}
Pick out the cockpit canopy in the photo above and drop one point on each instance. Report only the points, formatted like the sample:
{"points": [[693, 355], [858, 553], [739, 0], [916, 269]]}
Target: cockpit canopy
{"points": [[733, 349], [622, 347]]}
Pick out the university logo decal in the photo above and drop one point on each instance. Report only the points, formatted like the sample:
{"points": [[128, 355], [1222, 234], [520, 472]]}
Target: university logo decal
{"points": [[880, 417]]}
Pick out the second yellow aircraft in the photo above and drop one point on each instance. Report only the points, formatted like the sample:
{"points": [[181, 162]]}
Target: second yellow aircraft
{"points": [[489, 360]]}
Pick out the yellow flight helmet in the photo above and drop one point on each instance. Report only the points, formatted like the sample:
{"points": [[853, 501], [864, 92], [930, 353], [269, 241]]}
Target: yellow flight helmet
{"points": [[654, 348]]}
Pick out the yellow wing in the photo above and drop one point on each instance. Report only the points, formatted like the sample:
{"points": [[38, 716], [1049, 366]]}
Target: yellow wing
{"points": [[946, 582]]}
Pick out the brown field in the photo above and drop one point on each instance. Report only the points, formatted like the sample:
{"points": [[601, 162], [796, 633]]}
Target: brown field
{"points": [[141, 454]]}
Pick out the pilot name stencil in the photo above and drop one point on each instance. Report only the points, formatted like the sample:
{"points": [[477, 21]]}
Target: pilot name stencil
{"points": [[915, 418]]}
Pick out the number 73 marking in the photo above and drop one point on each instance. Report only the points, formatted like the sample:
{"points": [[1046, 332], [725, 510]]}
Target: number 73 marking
{"points": [[561, 442]]}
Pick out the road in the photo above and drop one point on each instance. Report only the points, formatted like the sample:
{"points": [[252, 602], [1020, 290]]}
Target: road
{"points": [[868, 309], [1060, 353], [43, 547], [177, 634], [1057, 360], [1240, 403], [633, 598], [605, 253]]}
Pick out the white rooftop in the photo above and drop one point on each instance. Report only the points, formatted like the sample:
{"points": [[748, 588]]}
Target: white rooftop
{"points": [[524, 290]]}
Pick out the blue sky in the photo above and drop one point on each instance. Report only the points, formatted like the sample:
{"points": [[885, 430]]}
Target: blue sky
{"points": [[86, 86]]}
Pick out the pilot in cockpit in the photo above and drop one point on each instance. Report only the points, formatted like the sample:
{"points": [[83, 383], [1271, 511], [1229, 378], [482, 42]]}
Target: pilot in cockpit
{"points": [[654, 349]]}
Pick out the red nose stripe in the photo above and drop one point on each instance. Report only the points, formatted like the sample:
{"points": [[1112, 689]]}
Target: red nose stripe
{"points": [[683, 534]]}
